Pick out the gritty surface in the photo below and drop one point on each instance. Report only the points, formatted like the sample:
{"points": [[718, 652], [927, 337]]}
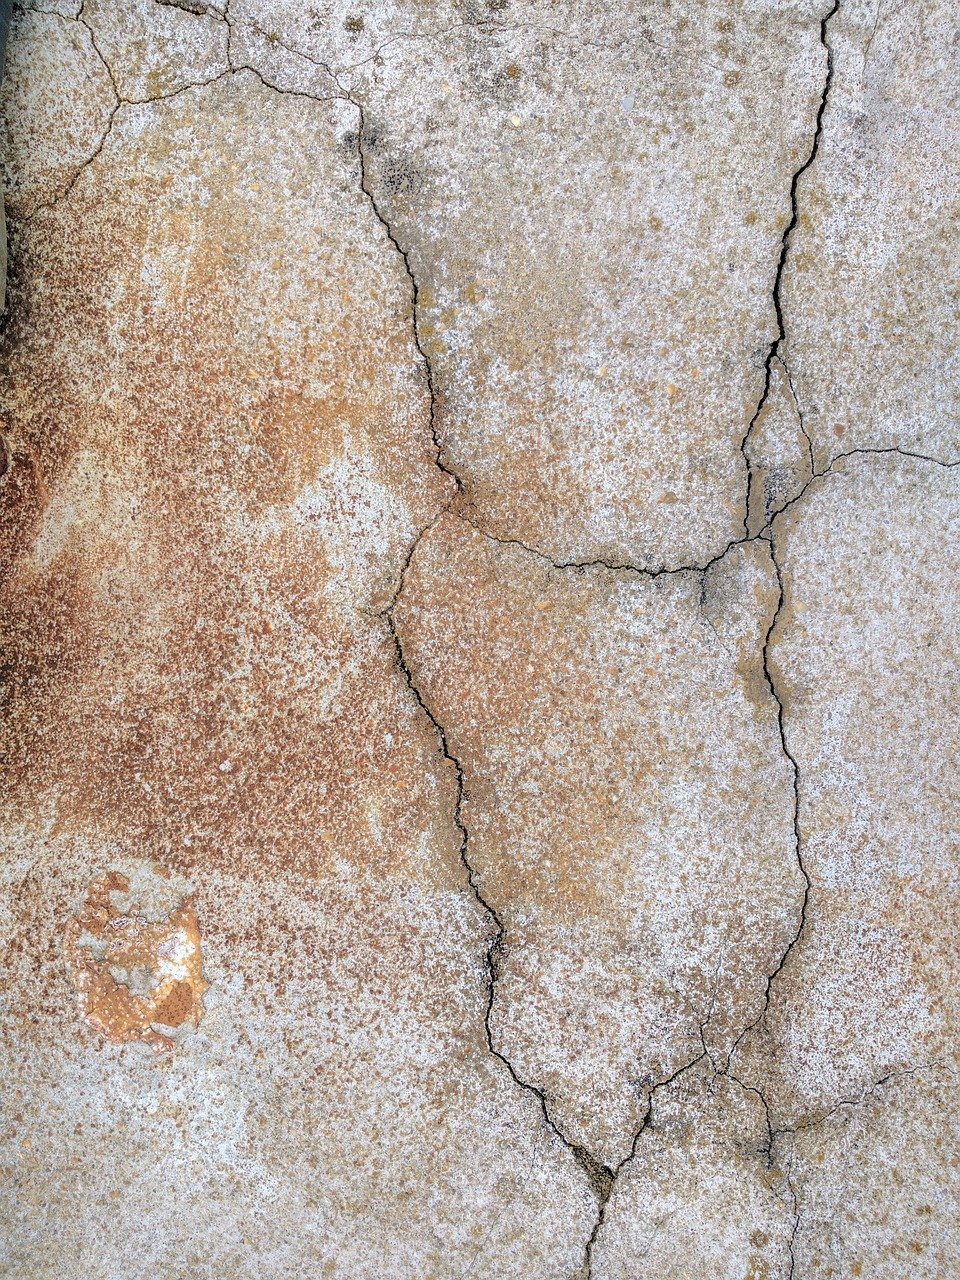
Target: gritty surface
{"points": [[479, 625]]}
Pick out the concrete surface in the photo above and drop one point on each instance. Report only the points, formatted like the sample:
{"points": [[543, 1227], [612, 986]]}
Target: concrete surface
{"points": [[480, 638]]}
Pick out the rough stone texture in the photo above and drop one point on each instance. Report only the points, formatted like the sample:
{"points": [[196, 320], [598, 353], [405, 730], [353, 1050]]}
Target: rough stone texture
{"points": [[479, 499], [59, 102]]}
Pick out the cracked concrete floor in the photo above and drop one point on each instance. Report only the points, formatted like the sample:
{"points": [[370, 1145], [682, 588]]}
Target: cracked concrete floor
{"points": [[479, 524]]}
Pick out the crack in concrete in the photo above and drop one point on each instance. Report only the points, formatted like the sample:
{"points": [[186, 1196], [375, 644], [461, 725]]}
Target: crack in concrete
{"points": [[815, 1122], [111, 115], [622, 566], [796, 404], [195, 7], [601, 1177], [631, 1155], [898, 1073], [797, 1212], [774, 347], [96, 48], [46, 205], [795, 769], [363, 137], [598, 1174]]}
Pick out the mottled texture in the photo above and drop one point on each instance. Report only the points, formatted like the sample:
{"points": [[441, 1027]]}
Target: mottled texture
{"points": [[137, 972], [154, 49], [479, 641], [211, 502], [59, 101]]}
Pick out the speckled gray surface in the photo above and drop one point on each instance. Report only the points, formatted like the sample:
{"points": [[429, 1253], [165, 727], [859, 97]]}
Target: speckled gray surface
{"points": [[479, 529]]}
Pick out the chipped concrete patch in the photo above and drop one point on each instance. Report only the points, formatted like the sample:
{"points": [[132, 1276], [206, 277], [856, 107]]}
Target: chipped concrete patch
{"points": [[478, 512], [136, 960]]}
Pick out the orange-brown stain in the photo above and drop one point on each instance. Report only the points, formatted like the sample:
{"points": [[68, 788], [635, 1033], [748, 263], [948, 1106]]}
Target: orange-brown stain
{"points": [[101, 938]]}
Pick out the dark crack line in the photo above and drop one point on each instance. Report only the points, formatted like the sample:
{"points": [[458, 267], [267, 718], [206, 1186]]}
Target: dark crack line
{"points": [[47, 205], [598, 1173], [111, 116], [611, 566], [766, 1148], [796, 404], [842, 1103], [702, 569], [834, 467], [795, 1206], [234, 69], [774, 347], [899, 1073], [97, 50], [362, 136], [602, 1178], [195, 7], [795, 770], [645, 1123]]}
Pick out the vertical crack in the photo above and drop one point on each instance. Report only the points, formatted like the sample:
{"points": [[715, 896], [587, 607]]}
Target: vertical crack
{"points": [[599, 1175], [773, 353], [97, 50], [602, 1178], [774, 347], [796, 404], [363, 136], [795, 770], [795, 1227]]}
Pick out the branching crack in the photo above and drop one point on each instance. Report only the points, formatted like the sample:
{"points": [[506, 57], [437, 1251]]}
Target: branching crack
{"points": [[614, 1174], [852, 1103], [774, 347], [602, 1177]]}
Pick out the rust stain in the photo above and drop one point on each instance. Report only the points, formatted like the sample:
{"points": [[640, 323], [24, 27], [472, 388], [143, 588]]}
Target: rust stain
{"points": [[131, 974]]}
